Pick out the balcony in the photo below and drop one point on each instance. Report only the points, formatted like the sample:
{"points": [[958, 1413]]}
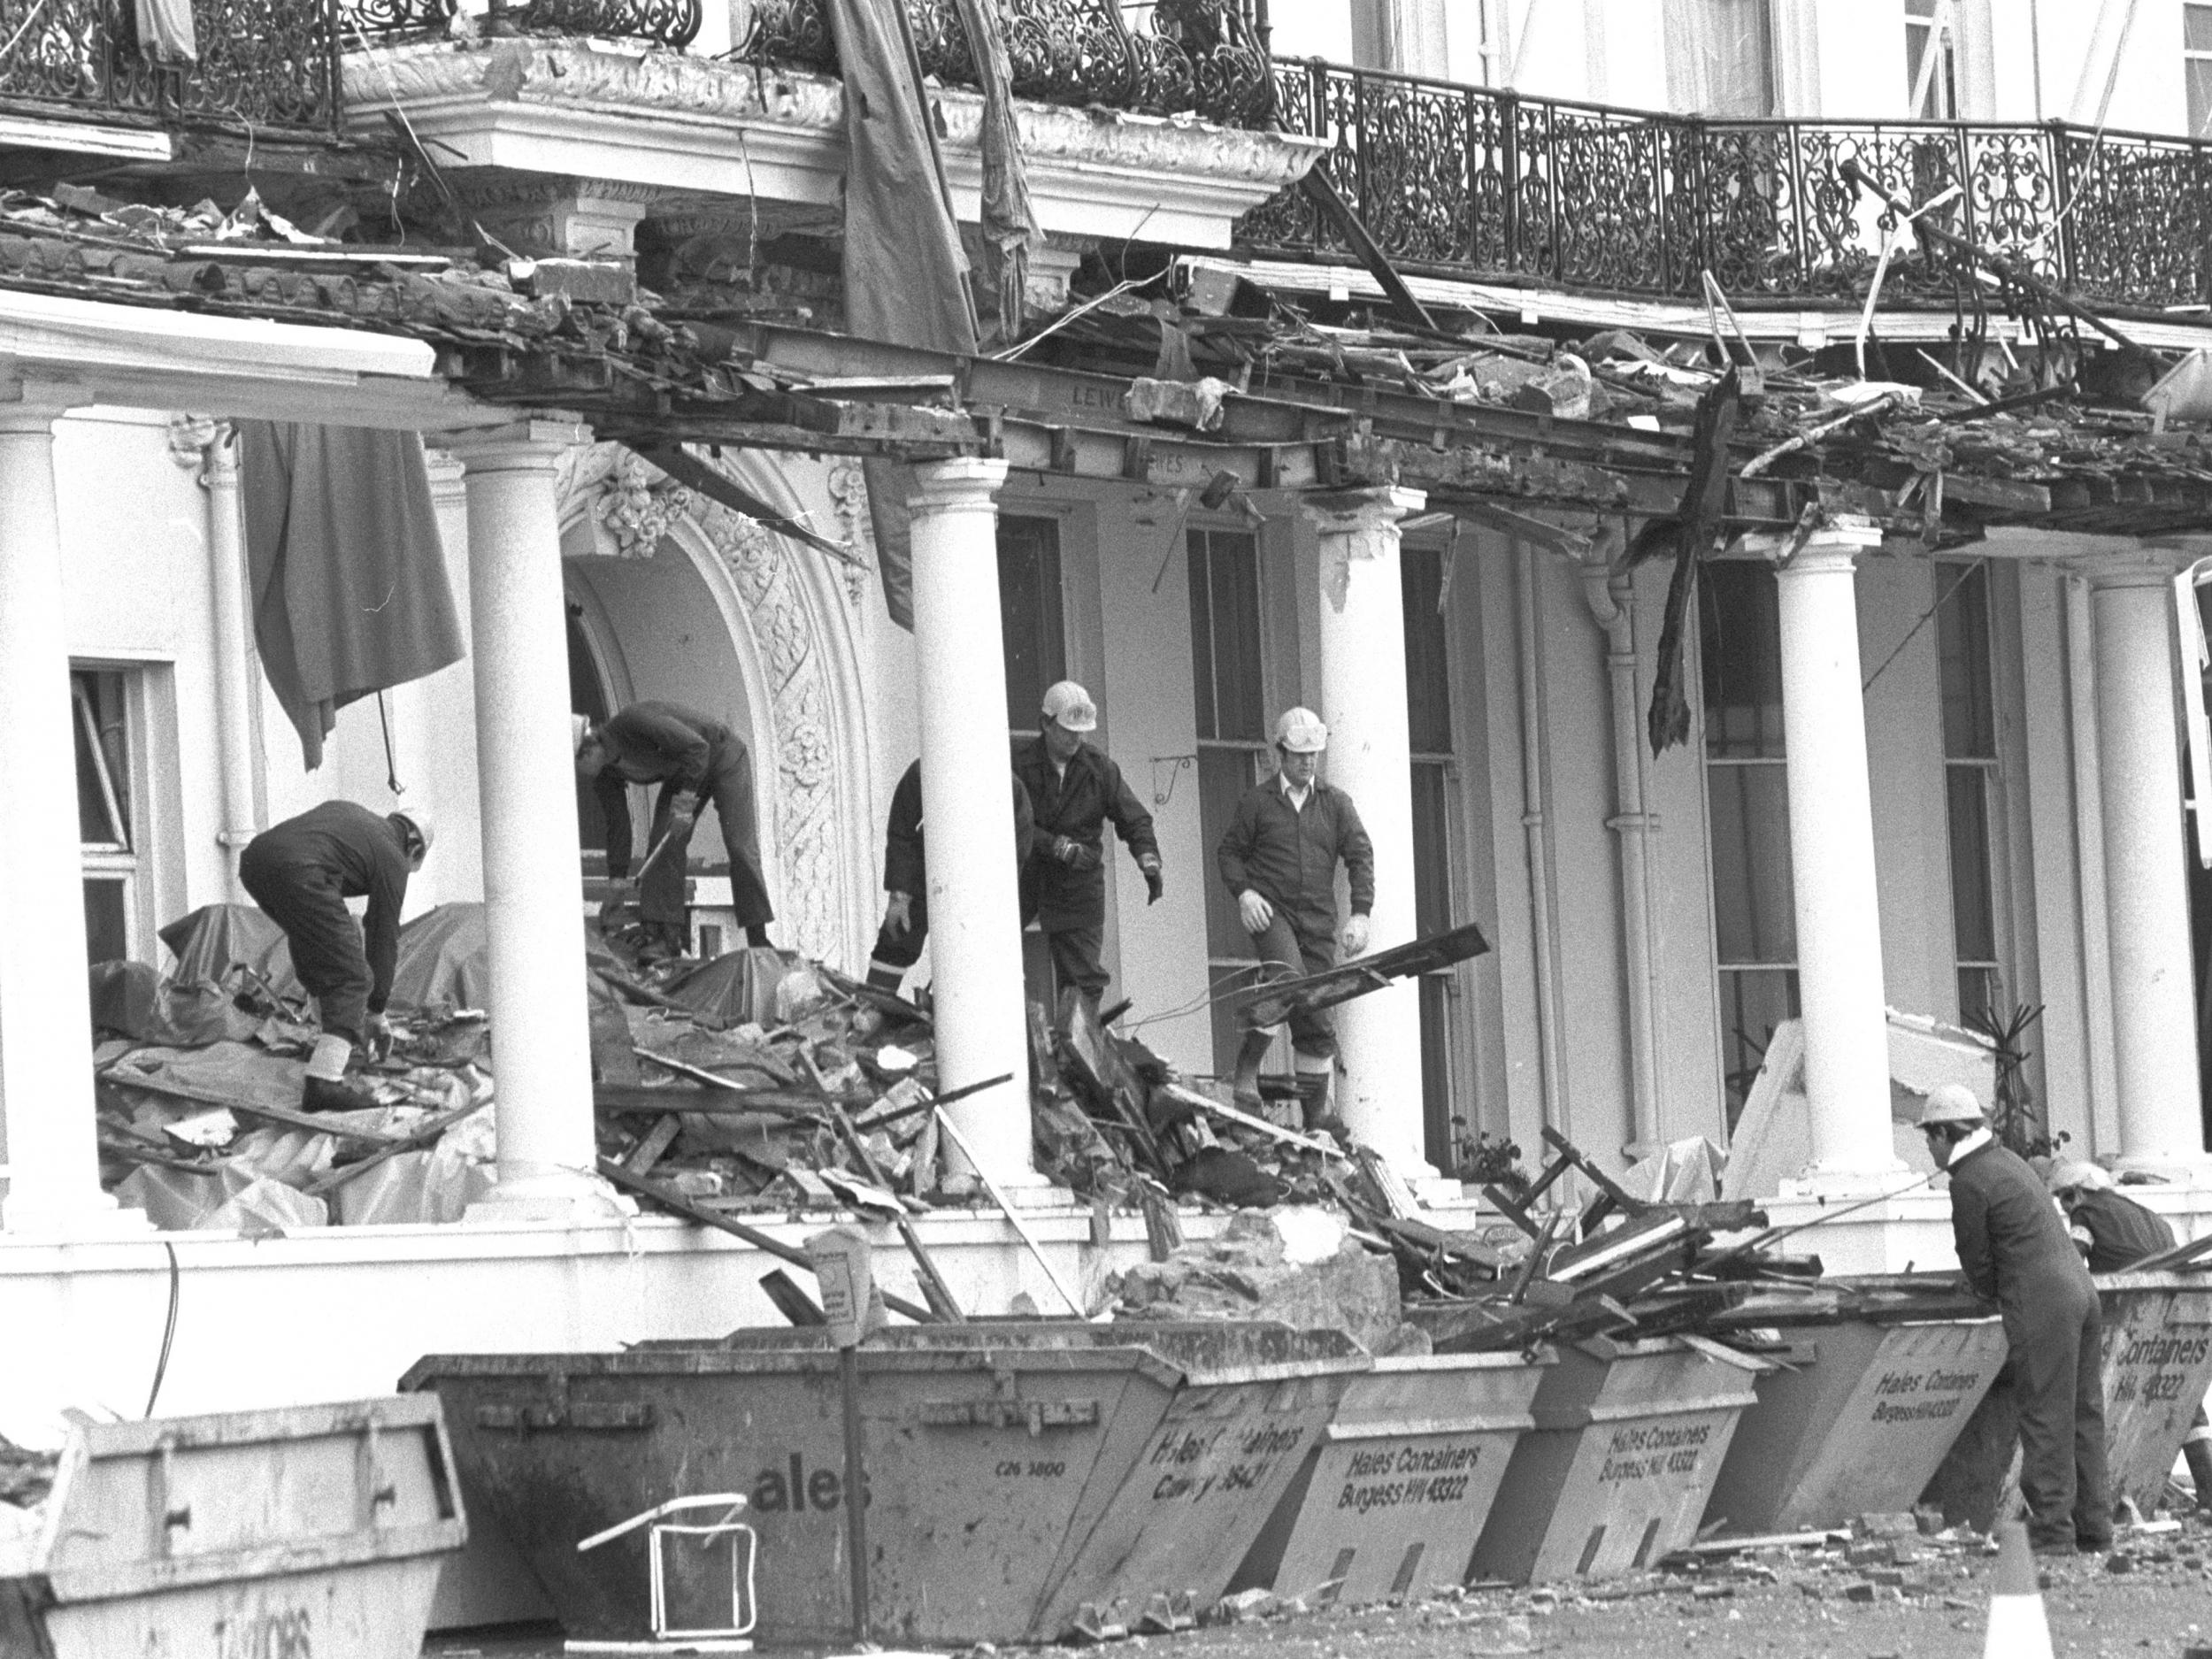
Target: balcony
{"points": [[1204, 57], [1486, 185], [266, 66]]}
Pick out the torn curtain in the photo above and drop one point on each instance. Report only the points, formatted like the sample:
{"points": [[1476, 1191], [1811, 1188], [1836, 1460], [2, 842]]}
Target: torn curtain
{"points": [[906, 278], [349, 577]]}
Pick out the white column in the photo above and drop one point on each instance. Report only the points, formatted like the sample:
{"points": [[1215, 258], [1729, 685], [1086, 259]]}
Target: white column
{"points": [[53, 1171], [1370, 758], [526, 792], [975, 912], [2147, 894], [233, 649], [1832, 861]]}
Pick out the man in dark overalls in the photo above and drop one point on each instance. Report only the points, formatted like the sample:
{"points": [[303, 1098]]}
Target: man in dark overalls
{"points": [[1074, 790], [2016, 1251], [905, 928], [301, 872], [696, 760]]}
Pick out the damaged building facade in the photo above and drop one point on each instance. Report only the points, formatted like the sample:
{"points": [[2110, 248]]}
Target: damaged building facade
{"points": [[1929, 762]]}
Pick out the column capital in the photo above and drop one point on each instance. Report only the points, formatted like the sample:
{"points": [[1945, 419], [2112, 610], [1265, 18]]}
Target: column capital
{"points": [[533, 444], [1349, 512], [1834, 546], [965, 480], [2129, 564]]}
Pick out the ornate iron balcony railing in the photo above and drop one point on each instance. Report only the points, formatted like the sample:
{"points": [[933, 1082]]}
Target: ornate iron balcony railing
{"points": [[1468, 181], [1207, 57], [263, 64]]}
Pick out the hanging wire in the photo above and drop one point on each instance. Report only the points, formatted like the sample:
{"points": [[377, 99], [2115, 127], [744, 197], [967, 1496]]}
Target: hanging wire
{"points": [[391, 764], [168, 1331]]}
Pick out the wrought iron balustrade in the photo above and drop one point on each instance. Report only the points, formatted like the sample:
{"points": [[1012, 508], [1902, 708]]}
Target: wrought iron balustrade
{"points": [[261, 64], [1470, 181], [1206, 57]]}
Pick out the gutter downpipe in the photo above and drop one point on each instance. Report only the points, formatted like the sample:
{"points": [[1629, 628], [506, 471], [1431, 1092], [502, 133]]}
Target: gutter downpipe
{"points": [[1543, 922], [1611, 596], [234, 646]]}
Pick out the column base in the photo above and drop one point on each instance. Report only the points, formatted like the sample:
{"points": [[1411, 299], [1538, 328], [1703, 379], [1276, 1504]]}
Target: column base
{"points": [[566, 1200], [2183, 1170], [1832, 1188], [1029, 1189], [72, 1224]]}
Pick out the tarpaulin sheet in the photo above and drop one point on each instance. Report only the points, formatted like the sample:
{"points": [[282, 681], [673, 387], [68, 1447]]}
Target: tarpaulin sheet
{"points": [[131, 1000], [736, 988], [210, 942], [906, 278], [350, 589], [221, 1074], [444, 960]]}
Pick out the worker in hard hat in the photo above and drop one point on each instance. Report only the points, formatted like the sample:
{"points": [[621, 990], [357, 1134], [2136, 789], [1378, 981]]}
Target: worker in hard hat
{"points": [[1279, 857], [2016, 1251], [698, 761], [1074, 790], [2114, 1233], [301, 872], [905, 877]]}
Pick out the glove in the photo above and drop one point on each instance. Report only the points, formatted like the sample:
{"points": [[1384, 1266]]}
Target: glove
{"points": [[1154, 884], [1074, 853], [682, 818], [1253, 911], [898, 913], [1355, 936], [379, 1043]]}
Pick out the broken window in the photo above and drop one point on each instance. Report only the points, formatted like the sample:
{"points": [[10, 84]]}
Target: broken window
{"points": [[106, 832], [1747, 787], [1970, 778], [1227, 671], [1030, 615], [1437, 857], [1931, 60], [2196, 59]]}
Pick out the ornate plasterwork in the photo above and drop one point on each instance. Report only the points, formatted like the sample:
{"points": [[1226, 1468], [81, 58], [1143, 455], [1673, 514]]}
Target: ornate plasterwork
{"points": [[661, 118], [848, 486]]}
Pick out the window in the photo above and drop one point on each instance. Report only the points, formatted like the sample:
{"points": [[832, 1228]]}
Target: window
{"points": [[2196, 60], [1435, 835], [1232, 724], [1970, 780], [1747, 787], [1030, 612], [1720, 57], [1931, 60], [106, 830]]}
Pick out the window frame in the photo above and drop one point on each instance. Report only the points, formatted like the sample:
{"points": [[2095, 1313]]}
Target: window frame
{"points": [[1938, 27], [123, 863], [2199, 99]]}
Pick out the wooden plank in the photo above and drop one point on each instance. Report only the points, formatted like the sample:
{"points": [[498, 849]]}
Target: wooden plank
{"points": [[648, 1151]]}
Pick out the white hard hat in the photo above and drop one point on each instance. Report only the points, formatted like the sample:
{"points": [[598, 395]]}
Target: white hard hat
{"points": [[1070, 705], [418, 818], [1301, 731], [578, 729], [1950, 1103], [2069, 1174]]}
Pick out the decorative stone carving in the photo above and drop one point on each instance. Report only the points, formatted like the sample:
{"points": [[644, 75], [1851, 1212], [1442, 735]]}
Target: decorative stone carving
{"points": [[188, 438], [848, 494], [637, 505]]}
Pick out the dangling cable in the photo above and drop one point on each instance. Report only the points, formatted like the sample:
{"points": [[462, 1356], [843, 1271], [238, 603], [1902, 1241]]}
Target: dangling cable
{"points": [[391, 765]]}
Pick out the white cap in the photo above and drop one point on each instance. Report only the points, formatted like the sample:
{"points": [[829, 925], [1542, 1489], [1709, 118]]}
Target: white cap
{"points": [[2067, 1173], [425, 827], [578, 729], [1301, 731], [1070, 705], [1950, 1103]]}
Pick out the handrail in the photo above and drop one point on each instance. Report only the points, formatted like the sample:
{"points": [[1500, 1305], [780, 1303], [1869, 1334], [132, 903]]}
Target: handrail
{"points": [[1475, 181]]}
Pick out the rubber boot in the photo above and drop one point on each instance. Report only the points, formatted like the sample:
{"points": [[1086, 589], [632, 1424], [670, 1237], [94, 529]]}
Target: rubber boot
{"points": [[2198, 1456], [883, 976], [1257, 1044], [327, 1089], [1313, 1103]]}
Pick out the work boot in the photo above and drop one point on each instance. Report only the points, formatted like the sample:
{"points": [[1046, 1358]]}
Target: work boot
{"points": [[335, 1095], [2198, 1456], [1247, 1079], [1313, 1105], [884, 977]]}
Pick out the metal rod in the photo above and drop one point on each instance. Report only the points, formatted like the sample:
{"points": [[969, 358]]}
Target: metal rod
{"points": [[856, 1490]]}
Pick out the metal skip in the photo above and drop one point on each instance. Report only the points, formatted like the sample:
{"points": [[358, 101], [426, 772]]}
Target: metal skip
{"points": [[1853, 1423], [1394, 1495], [1017, 1473], [307, 1529], [1629, 1437]]}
